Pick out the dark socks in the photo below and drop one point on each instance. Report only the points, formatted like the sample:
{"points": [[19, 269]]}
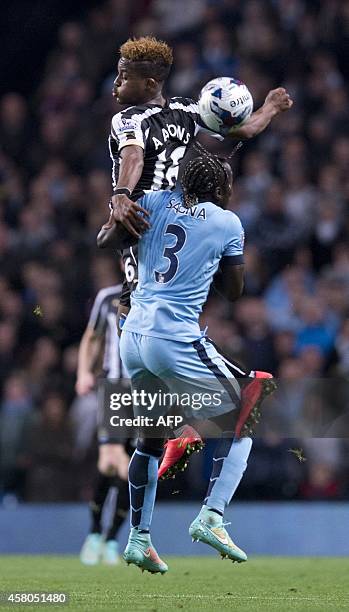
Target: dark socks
{"points": [[102, 486], [121, 508]]}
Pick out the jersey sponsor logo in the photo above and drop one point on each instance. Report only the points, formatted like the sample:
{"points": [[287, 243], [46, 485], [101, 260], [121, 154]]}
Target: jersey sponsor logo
{"points": [[197, 212], [171, 131]]}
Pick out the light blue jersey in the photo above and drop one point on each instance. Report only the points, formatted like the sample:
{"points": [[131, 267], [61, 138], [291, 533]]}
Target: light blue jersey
{"points": [[178, 258]]}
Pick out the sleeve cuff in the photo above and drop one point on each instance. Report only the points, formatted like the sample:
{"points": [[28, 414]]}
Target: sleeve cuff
{"points": [[232, 260], [127, 143]]}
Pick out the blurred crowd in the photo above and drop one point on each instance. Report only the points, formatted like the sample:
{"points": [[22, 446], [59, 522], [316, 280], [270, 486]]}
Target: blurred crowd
{"points": [[291, 193]]}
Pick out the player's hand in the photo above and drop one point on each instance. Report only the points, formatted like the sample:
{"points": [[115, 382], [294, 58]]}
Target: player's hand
{"points": [[128, 213], [85, 383], [279, 99]]}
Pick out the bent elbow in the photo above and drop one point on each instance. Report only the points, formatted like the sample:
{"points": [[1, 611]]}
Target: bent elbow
{"points": [[102, 240]]}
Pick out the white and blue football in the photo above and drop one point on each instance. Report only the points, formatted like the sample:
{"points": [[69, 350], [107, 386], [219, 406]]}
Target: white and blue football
{"points": [[224, 104]]}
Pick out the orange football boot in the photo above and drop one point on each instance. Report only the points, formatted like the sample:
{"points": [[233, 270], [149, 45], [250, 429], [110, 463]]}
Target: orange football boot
{"points": [[178, 451], [252, 395]]}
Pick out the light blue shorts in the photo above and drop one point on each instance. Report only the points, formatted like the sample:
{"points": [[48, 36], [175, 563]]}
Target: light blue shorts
{"points": [[193, 373]]}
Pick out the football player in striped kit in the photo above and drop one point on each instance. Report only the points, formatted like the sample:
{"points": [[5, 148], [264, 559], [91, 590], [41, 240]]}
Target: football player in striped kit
{"points": [[114, 453], [147, 142]]}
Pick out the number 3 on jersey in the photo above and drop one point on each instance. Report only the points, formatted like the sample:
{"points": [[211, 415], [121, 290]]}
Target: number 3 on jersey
{"points": [[171, 253]]}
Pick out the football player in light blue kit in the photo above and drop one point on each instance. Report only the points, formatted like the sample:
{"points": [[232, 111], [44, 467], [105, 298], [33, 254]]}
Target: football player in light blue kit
{"points": [[161, 343]]}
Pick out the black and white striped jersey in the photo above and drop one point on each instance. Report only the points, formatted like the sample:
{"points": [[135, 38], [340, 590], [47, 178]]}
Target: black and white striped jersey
{"points": [[163, 132], [130, 260], [103, 321]]}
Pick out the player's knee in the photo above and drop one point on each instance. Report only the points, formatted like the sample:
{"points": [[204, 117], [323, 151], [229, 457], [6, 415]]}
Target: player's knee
{"points": [[107, 463], [107, 468], [151, 446]]}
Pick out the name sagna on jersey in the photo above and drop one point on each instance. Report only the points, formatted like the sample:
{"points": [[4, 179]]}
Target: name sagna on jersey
{"points": [[197, 212]]}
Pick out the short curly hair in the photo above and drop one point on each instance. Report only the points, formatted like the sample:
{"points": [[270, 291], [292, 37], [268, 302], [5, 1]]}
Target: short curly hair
{"points": [[151, 56]]}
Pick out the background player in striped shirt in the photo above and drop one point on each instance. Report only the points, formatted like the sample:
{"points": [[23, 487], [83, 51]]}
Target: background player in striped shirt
{"points": [[113, 458]]}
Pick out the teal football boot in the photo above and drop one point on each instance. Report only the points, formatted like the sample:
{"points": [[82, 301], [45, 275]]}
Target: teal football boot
{"points": [[208, 527], [141, 552]]}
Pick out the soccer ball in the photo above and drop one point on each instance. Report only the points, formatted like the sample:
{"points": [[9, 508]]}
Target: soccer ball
{"points": [[224, 104]]}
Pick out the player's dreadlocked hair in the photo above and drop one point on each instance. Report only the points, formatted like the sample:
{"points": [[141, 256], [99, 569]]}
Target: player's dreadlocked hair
{"points": [[202, 175], [152, 57]]}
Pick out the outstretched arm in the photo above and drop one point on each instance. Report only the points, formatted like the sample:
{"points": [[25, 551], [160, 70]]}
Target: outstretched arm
{"points": [[277, 101]]}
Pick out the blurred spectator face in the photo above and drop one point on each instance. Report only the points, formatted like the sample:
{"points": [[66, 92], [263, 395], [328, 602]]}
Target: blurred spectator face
{"points": [[70, 36], [80, 94], [11, 306], [186, 56], [8, 337], [290, 369], [70, 359], [251, 312], [54, 411], [104, 272], [39, 280], [145, 27], [275, 199], [52, 308], [334, 297], [329, 179], [46, 354], [54, 131], [312, 361], [284, 344], [61, 251], [99, 184], [216, 37], [16, 388], [341, 258], [5, 239], [319, 129], [341, 152], [13, 111], [312, 312]]}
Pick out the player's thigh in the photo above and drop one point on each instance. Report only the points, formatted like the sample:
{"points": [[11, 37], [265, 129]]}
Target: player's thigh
{"points": [[199, 375], [113, 460], [130, 353]]}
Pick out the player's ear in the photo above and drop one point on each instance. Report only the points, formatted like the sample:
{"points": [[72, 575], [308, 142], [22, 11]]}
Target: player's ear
{"points": [[151, 84]]}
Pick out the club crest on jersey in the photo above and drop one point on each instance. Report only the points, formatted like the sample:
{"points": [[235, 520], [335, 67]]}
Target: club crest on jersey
{"points": [[171, 131], [197, 212]]}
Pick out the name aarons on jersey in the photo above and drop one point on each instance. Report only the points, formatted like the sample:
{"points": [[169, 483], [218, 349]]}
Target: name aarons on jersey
{"points": [[198, 212], [171, 131]]}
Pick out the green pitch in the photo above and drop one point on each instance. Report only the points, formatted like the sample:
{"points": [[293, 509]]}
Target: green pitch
{"points": [[201, 583]]}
